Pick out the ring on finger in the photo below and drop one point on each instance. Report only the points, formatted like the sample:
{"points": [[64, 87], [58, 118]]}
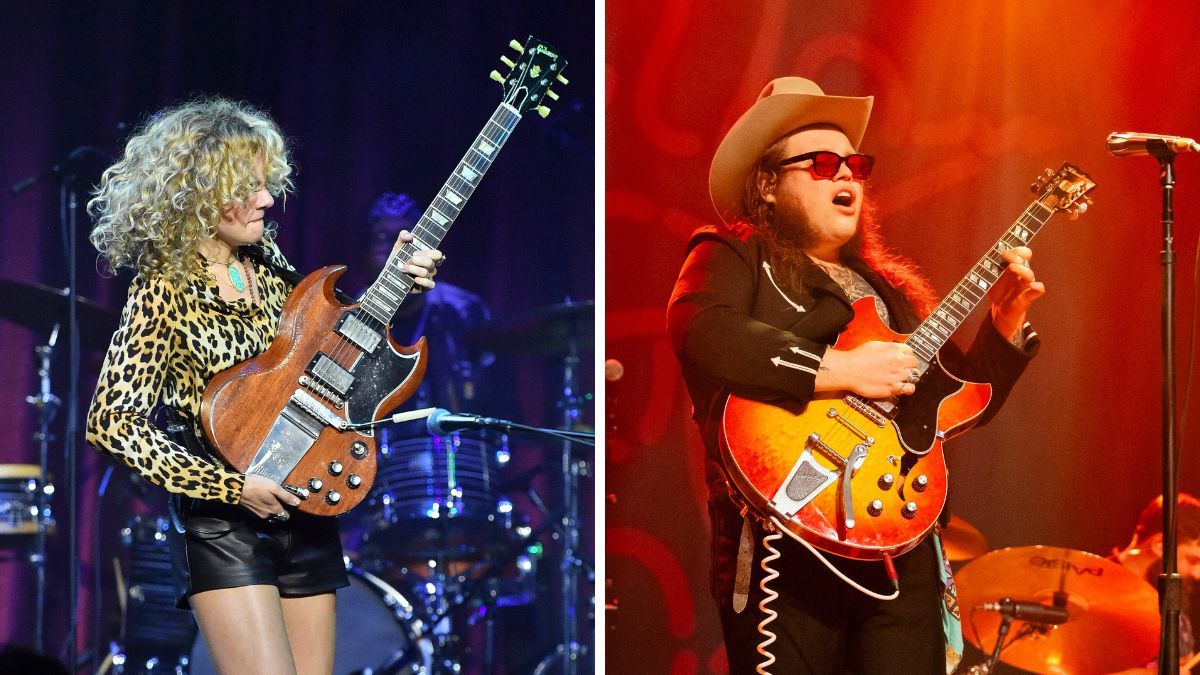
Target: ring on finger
{"points": [[280, 517], [914, 376], [440, 261]]}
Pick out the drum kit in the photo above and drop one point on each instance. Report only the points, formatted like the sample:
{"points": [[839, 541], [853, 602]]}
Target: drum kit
{"points": [[1075, 612], [434, 555]]}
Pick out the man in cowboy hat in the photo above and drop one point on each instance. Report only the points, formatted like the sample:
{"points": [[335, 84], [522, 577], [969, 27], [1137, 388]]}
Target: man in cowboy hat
{"points": [[772, 283]]}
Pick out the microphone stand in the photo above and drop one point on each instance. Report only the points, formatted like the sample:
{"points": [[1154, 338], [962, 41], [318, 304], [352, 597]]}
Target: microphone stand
{"points": [[1170, 584]]}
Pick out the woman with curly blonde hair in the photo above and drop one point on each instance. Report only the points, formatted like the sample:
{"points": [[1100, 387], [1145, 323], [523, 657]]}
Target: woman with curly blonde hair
{"points": [[185, 208]]}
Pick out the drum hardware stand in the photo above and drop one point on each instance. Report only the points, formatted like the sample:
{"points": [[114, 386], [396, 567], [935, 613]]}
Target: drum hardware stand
{"points": [[1027, 630], [47, 405], [67, 172], [569, 651]]}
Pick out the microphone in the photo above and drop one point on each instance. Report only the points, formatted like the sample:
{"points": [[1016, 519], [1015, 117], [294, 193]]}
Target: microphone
{"points": [[1034, 612], [1127, 143], [442, 422]]}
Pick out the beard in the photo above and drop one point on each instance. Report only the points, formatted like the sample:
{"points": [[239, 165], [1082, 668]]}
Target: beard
{"points": [[790, 225]]}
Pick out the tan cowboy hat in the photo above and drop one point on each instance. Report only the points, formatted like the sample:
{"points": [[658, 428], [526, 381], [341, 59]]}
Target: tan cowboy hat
{"points": [[785, 104]]}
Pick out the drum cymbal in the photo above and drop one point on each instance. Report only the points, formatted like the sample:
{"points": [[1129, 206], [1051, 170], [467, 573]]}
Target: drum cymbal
{"points": [[41, 307], [962, 541], [552, 329], [1113, 615]]}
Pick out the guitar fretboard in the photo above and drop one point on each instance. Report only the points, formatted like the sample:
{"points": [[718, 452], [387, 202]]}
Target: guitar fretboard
{"points": [[937, 328], [383, 297]]}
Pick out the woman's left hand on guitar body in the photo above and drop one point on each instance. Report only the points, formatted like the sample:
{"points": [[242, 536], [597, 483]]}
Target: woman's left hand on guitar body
{"points": [[1014, 292], [423, 266]]}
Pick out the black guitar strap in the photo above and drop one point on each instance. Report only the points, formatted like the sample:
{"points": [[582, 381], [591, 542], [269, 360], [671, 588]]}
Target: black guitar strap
{"points": [[291, 276]]}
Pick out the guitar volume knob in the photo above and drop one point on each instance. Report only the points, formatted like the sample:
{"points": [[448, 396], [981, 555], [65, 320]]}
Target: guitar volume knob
{"points": [[333, 497], [354, 480], [875, 507], [886, 481], [315, 484], [920, 483], [335, 468], [909, 511]]}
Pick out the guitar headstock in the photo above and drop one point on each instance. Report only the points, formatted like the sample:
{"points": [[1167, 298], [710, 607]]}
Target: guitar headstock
{"points": [[529, 78], [1065, 190]]}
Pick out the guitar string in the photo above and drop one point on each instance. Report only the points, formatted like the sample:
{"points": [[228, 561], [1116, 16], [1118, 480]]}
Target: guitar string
{"points": [[406, 284], [837, 432], [344, 349]]}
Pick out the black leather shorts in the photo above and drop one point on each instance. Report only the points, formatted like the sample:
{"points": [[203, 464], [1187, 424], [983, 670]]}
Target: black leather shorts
{"points": [[216, 545]]}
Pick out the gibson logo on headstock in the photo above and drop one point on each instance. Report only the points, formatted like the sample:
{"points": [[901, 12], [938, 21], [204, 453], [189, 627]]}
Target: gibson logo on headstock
{"points": [[541, 49]]}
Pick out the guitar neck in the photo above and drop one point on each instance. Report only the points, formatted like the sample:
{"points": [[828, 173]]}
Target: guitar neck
{"points": [[949, 315], [383, 297]]}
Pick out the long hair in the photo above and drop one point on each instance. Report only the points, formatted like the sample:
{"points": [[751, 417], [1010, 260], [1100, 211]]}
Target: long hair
{"points": [[181, 168], [787, 249]]}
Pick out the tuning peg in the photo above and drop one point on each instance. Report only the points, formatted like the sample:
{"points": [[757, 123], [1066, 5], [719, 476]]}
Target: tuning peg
{"points": [[517, 46], [496, 76], [553, 96], [562, 79], [507, 61], [543, 111]]}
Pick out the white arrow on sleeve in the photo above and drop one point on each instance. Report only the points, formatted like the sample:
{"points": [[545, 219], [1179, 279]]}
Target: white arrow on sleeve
{"points": [[780, 362]]}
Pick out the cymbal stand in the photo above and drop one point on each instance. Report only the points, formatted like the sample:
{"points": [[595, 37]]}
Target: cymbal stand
{"points": [[47, 405], [569, 651]]}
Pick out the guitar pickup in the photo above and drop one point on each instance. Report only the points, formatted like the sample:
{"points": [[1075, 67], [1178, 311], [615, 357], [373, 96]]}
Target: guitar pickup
{"points": [[806, 479], [355, 330]]}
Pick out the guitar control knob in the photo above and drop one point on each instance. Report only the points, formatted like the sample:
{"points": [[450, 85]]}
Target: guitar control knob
{"points": [[886, 481], [333, 497], [315, 484], [354, 480], [358, 449], [909, 511], [875, 507], [920, 483], [335, 468]]}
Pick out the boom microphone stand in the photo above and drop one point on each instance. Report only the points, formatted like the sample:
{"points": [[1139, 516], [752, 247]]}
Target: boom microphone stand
{"points": [[1170, 584]]}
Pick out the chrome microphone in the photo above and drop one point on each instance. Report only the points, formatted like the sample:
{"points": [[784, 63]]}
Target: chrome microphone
{"points": [[1127, 143]]}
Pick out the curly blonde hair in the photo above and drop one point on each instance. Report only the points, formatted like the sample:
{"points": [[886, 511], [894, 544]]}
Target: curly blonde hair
{"points": [[181, 168]]}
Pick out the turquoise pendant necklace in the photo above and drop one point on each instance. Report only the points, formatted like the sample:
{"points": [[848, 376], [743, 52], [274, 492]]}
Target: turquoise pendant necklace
{"points": [[235, 278], [235, 275]]}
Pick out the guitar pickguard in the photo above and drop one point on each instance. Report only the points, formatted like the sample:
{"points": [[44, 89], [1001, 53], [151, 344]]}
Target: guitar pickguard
{"points": [[916, 418]]}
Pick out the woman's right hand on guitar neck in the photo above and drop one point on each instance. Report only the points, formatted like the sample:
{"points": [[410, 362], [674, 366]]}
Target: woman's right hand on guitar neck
{"points": [[873, 369], [265, 498]]}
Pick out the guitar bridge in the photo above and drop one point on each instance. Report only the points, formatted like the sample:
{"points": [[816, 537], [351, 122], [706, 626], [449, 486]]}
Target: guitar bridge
{"points": [[806, 479]]}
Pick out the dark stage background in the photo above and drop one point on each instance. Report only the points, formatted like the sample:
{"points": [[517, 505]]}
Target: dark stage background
{"points": [[972, 101], [376, 97]]}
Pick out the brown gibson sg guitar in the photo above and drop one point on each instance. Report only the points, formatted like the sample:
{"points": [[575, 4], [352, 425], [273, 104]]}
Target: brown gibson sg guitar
{"points": [[300, 413], [864, 478]]}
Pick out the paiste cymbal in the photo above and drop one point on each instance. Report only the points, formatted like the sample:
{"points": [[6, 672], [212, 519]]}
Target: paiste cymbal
{"points": [[962, 541], [1113, 615]]}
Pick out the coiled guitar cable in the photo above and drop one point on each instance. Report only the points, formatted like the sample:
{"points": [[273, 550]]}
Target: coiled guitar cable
{"points": [[770, 574]]}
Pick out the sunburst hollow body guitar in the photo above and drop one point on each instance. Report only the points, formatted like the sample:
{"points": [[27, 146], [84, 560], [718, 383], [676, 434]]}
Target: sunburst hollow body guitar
{"points": [[864, 478]]}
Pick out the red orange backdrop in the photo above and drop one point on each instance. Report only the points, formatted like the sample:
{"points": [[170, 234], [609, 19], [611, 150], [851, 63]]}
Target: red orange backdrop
{"points": [[973, 99]]}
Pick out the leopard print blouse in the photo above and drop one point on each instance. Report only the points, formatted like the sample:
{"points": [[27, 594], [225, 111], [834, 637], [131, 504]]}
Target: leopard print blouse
{"points": [[170, 343]]}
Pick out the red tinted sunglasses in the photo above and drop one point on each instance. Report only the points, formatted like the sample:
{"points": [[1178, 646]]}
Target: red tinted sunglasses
{"points": [[825, 164]]}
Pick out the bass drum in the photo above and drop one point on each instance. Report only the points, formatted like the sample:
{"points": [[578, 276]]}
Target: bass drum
{"points": [[377, 631]]}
